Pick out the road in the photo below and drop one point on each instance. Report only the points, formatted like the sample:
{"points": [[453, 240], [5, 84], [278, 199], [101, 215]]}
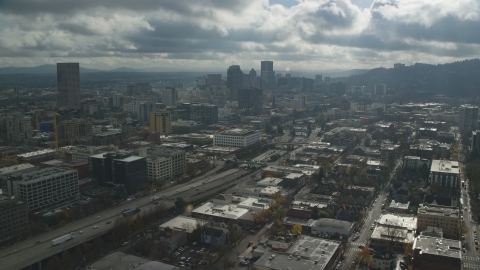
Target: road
{"points": [[352, 249], [471, 260], [13, 257]]}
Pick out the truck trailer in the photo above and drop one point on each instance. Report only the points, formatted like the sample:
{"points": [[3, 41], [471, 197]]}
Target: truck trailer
{"points": [[130, 212], [62, 239]]}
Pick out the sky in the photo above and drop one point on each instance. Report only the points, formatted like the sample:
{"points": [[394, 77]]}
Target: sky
{"points": [[214, 34]]}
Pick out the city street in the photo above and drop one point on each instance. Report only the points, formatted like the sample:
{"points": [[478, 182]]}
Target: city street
{"points": [[471, 260]]}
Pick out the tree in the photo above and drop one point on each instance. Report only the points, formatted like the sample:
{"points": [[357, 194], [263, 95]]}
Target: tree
{"points": [[180, 204], [269, 128], [279, 130], [321, 173], [296, 229], [191, 170], [424, 171]]}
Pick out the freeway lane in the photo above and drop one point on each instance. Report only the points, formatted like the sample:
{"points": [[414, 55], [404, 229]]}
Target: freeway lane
{"points": [[10, 259]]}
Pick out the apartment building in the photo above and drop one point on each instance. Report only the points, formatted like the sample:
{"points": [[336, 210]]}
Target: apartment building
{"points": [[436, 253], [19, 128], [76, 129], [161, 121], [445, 217], [177, 157], [44, 187]]}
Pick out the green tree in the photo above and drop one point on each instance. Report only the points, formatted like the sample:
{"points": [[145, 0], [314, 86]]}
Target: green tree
{"points": [[279, 130], [180, 203], [296, 229], [191, 170], [269, 128], [424, 171]]}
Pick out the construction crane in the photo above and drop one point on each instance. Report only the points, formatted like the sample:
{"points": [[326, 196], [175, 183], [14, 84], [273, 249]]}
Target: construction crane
{"points": [[55, 114]]}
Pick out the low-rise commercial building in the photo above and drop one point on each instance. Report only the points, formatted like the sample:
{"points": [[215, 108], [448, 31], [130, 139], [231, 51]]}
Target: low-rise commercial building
{"points": [[332, 228], [306, 253], [236, 138], [159, 169], [436, 253], [393, 231], [383, 260], [186, 126]]}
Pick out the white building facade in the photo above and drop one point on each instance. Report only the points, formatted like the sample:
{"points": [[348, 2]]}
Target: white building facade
{"points": [[159, 168], [236, 138]]}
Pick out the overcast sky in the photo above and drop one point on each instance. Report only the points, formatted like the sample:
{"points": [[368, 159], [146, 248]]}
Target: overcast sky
{"points": [[213, 34]]}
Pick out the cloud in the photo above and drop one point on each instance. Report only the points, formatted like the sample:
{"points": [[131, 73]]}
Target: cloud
{"points": [[303, 34]]}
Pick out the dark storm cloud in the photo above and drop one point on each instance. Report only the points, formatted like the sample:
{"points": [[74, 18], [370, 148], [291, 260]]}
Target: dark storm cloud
{"points": [[64, 7], [310, 30]]}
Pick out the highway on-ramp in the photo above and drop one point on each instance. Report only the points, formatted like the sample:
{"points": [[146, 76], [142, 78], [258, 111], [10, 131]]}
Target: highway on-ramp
{"points": [[29, 251]]}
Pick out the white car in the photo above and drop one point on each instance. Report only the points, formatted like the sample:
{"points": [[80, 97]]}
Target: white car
{"points": [[97, 217], [81, 232], [95, 227]]}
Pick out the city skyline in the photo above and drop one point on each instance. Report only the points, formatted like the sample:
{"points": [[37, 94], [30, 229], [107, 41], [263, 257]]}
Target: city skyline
{"points": [[296, 35]]}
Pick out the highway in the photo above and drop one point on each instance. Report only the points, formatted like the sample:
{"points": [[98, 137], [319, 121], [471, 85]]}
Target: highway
{"points": [[13, 257]]}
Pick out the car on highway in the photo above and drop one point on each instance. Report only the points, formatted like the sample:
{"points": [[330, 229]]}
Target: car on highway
{"points": [[156, 202], [95, 227], [97, 217], [108, 222], [38, 242], [80, 232]]}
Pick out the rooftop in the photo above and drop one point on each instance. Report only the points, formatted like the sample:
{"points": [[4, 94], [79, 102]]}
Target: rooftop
{"points": [[440, 210], [122, 261], [400, 221], [438, 246], [333, 223], [183, 223], [307, 253], [43, 173], [16, 168], [238, 132], [220, 210], [269, 181], [445, 166], [37, 153]]}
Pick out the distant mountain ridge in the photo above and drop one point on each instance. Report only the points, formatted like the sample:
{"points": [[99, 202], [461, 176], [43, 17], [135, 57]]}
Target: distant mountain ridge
{"points": [[39, 70]]}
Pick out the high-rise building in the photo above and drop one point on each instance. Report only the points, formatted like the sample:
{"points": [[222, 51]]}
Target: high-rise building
{"points": [[76, 129], [298, 102], [169, 96], [266, 66], [250, 100], [19, 128], [307, 84], [268, 75], [145, 108], [44, 187], [14, 218], [205, 113], [468, 118], [120, 169], [161, 121], [234, 80], [252, 74], [214, 80], [68, 83]]}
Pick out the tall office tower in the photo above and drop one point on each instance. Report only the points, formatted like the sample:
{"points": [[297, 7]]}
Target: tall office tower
{"points": [[306, 84], [68, 83], [161, 121], [19, 128], [214, 80], [117, 168], [205, 113], [252, 74], [250, 100], [468, 118], [266, 66], [169, 96], [145, 108], [268, 75], [318, 79], [234, 80]]}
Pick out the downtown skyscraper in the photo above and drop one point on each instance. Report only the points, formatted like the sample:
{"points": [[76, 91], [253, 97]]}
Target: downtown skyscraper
{"points": [[68, 83], [268, 75], [234, 80]]}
